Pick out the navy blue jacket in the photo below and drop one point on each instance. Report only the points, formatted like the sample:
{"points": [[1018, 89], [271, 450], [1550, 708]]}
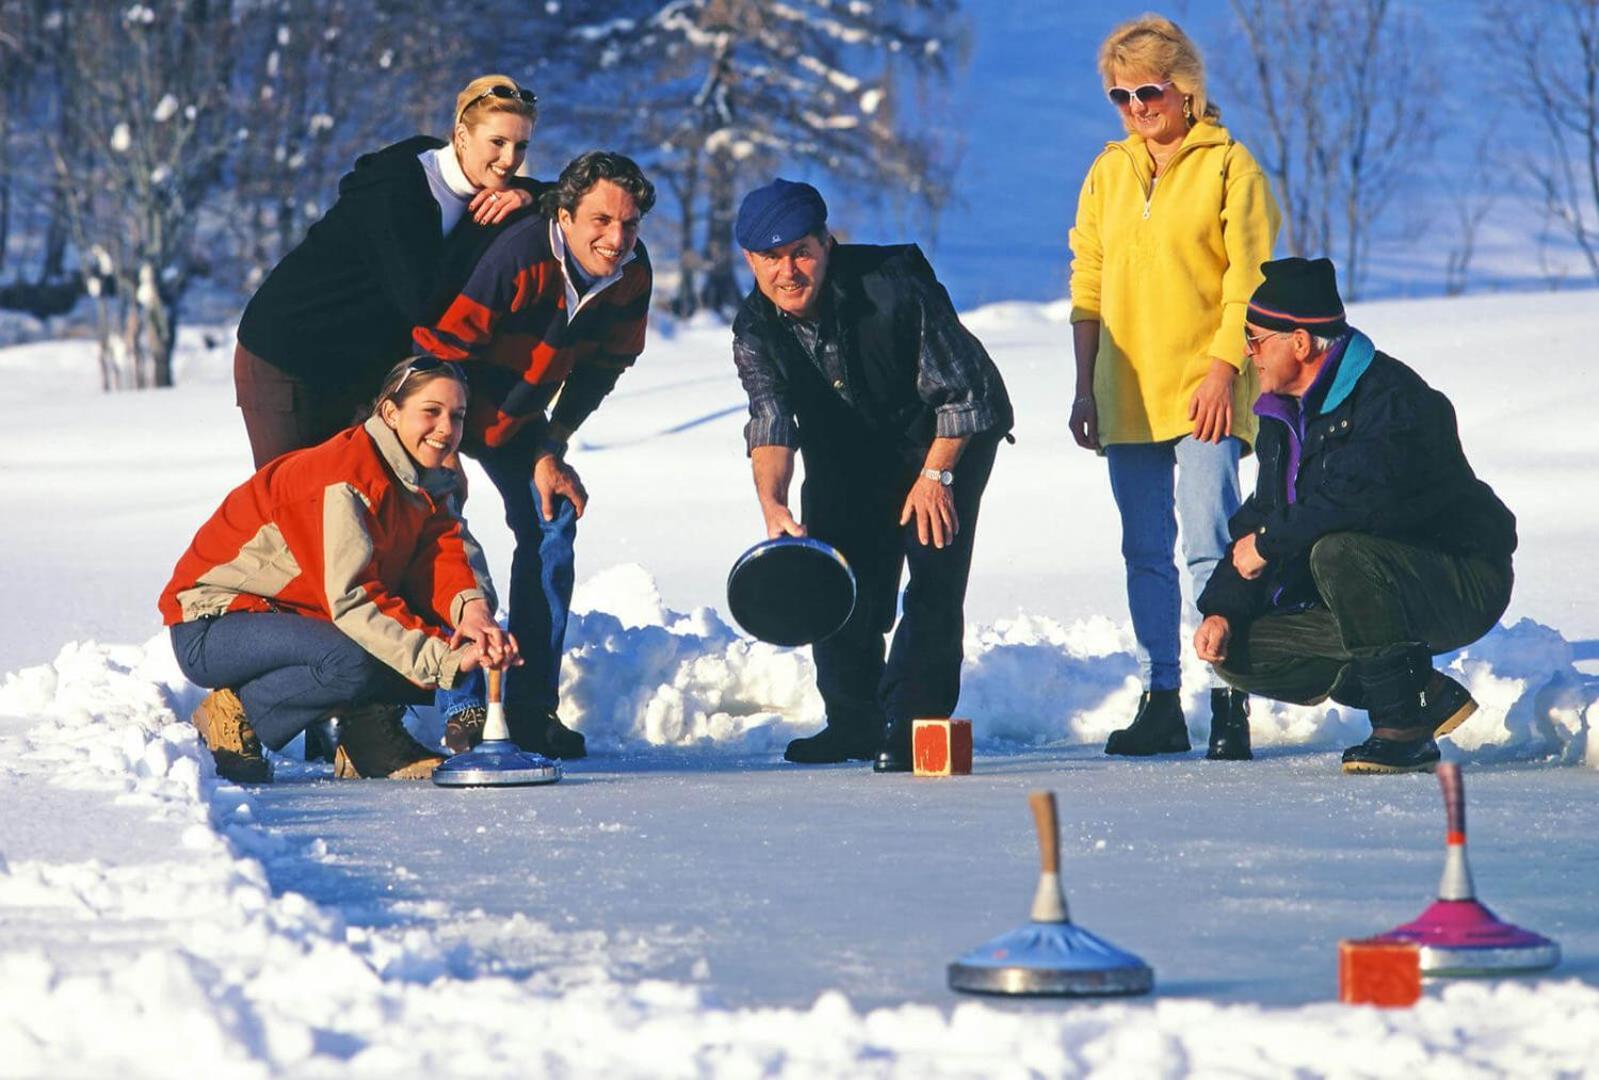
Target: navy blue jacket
{"points": [[1370, 449]]}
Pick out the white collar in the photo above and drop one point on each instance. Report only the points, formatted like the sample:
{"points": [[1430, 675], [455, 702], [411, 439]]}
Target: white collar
{"points": [[451, 172]]}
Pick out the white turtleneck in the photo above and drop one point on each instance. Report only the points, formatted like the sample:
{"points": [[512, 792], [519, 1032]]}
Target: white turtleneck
{"points": [[449, 185]]}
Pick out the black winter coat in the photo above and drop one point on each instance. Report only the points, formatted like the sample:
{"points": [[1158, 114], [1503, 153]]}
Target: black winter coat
{"points": [[340, 307], [1381, 456]]}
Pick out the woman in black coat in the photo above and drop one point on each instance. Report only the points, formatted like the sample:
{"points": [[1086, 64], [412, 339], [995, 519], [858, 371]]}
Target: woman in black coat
{"points": [[408, 225]]}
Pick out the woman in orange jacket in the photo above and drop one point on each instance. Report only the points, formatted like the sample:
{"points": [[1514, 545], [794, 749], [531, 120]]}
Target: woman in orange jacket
{"points": [[339, 579]]}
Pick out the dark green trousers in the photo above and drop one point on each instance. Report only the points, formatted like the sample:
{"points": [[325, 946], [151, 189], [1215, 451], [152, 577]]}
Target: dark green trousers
{"points": [[1383, 598]]}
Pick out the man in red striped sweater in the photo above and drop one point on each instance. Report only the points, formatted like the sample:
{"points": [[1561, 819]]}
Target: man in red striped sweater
{"points": [[559, 303]]}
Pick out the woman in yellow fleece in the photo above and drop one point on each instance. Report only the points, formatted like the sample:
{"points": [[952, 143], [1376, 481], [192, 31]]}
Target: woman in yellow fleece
{"points": [[1172, 226]]}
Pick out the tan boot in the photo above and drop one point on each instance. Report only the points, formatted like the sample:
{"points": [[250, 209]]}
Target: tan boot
{"points": [[373, 744], [227, 733]]}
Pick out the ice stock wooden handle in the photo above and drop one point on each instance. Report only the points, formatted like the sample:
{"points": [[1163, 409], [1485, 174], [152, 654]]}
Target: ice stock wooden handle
{"points": [[1043, 804], [494, 683], [1454, 787]]}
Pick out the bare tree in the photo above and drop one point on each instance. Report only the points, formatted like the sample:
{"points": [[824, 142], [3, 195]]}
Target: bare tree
{"points": [[152, 111], [723, 90], [1553, 54], [1338, 135]]}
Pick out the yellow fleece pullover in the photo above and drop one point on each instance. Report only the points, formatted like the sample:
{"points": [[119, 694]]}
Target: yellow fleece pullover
{"points": [[1167, 268]]}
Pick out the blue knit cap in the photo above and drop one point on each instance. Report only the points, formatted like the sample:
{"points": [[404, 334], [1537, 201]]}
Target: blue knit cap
{"points": [[778, 214]]}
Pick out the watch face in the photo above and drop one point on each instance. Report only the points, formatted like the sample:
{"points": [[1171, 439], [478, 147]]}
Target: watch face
{"points": [[946, 478]]}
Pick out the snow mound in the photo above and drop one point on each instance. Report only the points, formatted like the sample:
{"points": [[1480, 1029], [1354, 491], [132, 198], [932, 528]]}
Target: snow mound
{"points": [[638, 675]]}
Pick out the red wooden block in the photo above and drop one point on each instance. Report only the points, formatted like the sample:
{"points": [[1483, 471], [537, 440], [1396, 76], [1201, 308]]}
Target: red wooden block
{"points": [[942, 747], [1378, 973]]}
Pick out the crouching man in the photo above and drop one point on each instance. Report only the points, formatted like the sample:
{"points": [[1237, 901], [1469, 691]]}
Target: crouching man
{"points": [[853, 355], [1368, 547]]}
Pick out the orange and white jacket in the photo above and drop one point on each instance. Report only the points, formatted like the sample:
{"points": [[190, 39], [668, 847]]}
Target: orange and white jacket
{"points": [[353, 532]]}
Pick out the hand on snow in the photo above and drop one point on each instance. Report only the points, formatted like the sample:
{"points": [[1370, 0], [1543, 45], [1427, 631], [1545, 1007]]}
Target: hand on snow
{"points": [[554, 477], [1247, 560], [1210, 640], [1211, 407], [933, 506]]}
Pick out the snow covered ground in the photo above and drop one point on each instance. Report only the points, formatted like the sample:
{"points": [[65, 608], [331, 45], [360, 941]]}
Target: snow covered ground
{"points": [[686, 904]]}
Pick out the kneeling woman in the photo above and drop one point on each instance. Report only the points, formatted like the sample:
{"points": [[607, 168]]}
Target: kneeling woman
{"points": [[327, 584]]}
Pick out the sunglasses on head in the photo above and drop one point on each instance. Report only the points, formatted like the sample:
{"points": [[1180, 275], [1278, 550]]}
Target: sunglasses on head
{"points": [[1121, 96], [421, 365], [506, 93]]}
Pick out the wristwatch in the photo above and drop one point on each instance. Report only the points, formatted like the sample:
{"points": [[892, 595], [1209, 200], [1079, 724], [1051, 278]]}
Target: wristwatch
{"points": [[943, 476]]}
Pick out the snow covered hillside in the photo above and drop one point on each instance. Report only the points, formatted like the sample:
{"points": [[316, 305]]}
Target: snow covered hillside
{"points": [[684, 903]]}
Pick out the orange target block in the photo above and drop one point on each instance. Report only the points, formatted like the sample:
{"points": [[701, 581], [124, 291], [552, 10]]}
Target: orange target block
{"points": [[1378, 973], [941, 747]]}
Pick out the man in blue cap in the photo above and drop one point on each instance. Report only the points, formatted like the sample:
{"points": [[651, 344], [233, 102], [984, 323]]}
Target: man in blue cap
{"points": [[1369, 545], [853, 356]]}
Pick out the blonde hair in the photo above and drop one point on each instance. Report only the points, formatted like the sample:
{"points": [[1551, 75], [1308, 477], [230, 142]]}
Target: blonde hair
{"points": [[474, 104], [1155, 44]]}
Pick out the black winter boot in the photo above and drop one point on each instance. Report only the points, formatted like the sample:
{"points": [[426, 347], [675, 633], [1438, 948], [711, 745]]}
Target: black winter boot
{"points": [[1157, 728], [896, 753], [1229, 726], [1445, 704], [833, 744], [1401, 737], [540, 731]]}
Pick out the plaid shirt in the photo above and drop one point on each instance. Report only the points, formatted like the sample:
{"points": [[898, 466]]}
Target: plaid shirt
{"points": [[954, 376]]}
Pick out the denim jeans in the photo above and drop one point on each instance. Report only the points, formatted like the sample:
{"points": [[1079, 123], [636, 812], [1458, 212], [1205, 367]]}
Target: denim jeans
{"points": [[1205, 494], [540, 597], [289, 670]]}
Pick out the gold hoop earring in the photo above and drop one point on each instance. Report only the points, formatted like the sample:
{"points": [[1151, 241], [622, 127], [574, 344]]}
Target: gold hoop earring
{"points": [[1188, 109]]}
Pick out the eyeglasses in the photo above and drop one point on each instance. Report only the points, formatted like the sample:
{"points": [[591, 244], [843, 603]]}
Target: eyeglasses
{"points": [[506, 93], [1121, 96], [1252, 341]]}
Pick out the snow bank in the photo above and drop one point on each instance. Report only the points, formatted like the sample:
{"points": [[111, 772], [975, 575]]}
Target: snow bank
{"points": [[639, 675]]}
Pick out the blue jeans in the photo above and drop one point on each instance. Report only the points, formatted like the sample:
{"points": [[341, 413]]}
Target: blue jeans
{"points": [[289, 670], [1204, 496], [542, 571]]}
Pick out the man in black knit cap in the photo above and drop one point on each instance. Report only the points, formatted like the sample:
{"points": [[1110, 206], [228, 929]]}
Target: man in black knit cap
{"points": [[1369, 545]]}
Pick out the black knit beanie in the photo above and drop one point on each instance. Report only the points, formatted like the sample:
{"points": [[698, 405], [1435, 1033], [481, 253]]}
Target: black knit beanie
{"points": [[1298, 294]]}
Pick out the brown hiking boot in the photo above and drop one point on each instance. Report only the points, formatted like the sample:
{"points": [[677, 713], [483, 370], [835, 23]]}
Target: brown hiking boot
{"points": [[464, 730], [227, 733], [373, 744]]}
